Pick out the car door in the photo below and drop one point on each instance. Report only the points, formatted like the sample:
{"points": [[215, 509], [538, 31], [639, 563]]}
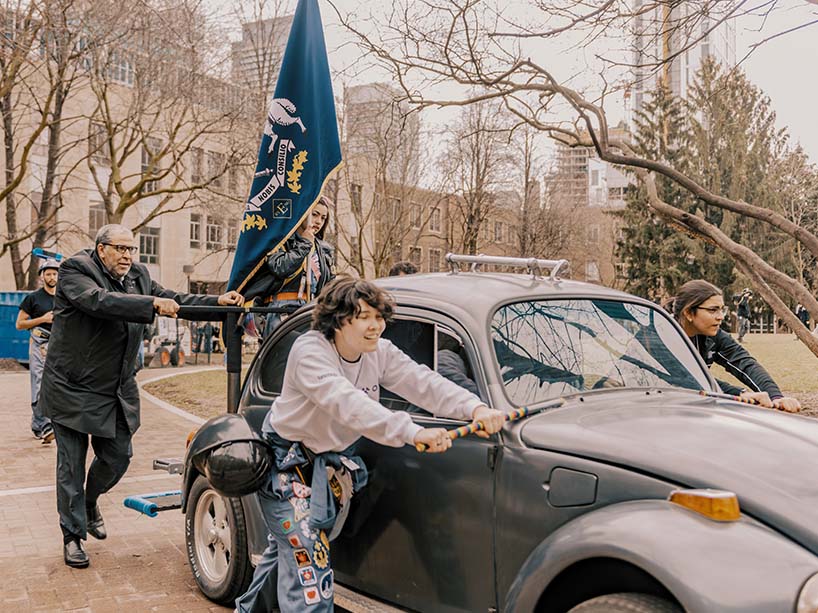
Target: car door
{"points": [[263, 384], [421, 534]]}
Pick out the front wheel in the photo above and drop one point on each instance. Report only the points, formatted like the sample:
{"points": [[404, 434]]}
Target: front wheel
{"points": [[216, 539], [630, 602]]}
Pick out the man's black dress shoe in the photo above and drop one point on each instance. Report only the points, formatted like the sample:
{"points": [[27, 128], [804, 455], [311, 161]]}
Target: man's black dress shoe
{"points": [[74, 554], [95, 524]]}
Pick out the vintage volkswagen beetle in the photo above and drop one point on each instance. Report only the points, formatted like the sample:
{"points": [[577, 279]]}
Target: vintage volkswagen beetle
{"points": [[571, 508]]}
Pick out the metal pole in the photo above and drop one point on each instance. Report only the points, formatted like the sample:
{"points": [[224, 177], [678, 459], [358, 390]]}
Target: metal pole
{"points": [[232, 341]]}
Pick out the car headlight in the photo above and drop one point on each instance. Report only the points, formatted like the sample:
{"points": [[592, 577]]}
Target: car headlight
{"points": [[808, 598]]}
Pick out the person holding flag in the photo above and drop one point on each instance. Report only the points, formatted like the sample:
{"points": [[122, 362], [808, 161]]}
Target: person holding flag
{"points": [[302, 266]]}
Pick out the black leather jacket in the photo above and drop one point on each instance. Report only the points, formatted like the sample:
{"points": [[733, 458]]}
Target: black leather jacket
{"points": [[288, 265], [726, 352]]}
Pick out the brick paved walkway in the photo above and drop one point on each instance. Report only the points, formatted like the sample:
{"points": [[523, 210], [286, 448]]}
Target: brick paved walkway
{"points": [[141, 566]]}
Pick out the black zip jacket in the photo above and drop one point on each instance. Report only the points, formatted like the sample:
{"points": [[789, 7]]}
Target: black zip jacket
{"points": [[284, 268], [726, 352], [289, 265]]}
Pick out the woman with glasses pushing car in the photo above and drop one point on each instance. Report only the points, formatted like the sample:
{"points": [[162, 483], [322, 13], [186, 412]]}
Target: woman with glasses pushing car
{"points": [[699, 308]]}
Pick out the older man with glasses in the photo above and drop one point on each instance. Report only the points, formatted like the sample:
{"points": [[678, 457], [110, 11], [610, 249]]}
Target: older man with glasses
{"points": [[102, 303]]}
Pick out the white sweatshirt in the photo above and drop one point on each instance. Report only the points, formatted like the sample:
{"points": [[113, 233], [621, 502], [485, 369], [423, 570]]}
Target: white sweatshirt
{"points": [[328, 403]]}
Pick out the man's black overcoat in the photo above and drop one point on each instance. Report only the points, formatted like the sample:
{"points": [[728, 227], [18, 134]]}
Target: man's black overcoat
{"points": [[95, 337]]}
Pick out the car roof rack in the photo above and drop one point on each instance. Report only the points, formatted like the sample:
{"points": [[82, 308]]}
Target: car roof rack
{"points": [[534, 266]]}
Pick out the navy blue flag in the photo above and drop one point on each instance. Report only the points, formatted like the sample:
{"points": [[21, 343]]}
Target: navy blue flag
{"points": [[299, 152]]}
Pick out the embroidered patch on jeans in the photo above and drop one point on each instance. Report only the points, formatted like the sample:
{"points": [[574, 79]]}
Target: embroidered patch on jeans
{"points": [[321, 555], [311, 595], [309, 533], [287, 525], [307, 576], [300, 490], [294, 541], [326, 585], [302, 558], [301, 507]]}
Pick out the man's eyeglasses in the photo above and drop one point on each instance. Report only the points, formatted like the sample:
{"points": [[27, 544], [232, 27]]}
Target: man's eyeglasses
{"points": [[712, 310], [123, 249]]}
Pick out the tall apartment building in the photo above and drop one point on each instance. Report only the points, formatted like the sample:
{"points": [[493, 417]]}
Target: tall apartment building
{"points": [[379, 123], [669, 45], [383, 215], [256, 57], [586, 190]]}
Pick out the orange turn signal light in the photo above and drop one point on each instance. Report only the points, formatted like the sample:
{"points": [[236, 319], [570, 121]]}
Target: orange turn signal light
{"points": [[190, 436], [718, 505]]}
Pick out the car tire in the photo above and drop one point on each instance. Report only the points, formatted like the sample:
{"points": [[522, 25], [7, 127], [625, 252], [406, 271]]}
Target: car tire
{"points": [[627, 603], [216, 543]]}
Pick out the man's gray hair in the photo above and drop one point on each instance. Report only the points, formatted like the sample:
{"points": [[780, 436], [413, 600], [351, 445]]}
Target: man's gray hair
{"points": [[106, 232]]}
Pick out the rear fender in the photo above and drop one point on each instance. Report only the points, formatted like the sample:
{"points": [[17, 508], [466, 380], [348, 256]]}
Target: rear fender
{"points": [[705, 565]]}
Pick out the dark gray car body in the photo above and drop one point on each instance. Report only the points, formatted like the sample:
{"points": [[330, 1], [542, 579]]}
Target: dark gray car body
{"points": [[570, 503]]}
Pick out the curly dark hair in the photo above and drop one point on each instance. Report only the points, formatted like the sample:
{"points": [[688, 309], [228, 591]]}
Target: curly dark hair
{"points": [[338, 303]]}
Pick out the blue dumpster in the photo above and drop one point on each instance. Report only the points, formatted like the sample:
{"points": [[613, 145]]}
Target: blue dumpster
{"points": [[13, 342]]}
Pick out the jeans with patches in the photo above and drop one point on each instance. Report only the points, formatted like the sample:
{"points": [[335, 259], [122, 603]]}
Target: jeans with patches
{"points": [[297, 558]]}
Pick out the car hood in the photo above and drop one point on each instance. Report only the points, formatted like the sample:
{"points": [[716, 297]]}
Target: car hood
{"points": [[766, 457]]}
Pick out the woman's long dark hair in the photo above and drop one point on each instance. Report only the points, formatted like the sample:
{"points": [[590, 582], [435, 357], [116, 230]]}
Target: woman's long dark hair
{"points": [[327, 203], [690, 295]]}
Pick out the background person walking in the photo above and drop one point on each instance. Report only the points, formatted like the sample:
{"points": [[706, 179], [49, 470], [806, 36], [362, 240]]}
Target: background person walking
{"points": [[36, 314]]}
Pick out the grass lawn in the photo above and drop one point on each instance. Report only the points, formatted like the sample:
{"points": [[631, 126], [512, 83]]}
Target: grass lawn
{"points": [[790, 363], [202, 393]]}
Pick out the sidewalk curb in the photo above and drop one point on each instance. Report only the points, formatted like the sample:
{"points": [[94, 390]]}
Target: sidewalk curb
{"points": [[166, 405]]}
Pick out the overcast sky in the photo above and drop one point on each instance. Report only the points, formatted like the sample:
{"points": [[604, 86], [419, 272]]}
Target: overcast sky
{"points": [[785, 68]]}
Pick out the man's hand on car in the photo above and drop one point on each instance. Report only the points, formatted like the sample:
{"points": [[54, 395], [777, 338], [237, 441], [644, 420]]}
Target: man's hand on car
{"points": [[492, 420], [231, 298], [165, 306]]}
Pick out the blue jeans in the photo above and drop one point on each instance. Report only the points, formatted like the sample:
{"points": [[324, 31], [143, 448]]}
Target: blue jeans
{"points": [[297, 558], [273, 320]]}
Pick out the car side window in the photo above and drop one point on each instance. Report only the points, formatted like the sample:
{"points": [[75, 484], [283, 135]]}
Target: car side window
{"points": [[417, 340], [275, 360], [453, 361], [434, 346]]}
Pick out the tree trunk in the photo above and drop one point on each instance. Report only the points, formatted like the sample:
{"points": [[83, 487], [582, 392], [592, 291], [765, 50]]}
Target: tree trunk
{"points": [[11, 205], [46, 216]]}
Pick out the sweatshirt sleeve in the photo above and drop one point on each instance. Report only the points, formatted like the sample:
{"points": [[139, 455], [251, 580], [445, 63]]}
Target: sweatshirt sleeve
{"points": [[318, 377], [738, 362], [423, 387]]}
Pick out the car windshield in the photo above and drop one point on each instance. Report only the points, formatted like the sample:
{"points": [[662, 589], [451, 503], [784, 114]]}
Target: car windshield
{"points": [[546, 349]]}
